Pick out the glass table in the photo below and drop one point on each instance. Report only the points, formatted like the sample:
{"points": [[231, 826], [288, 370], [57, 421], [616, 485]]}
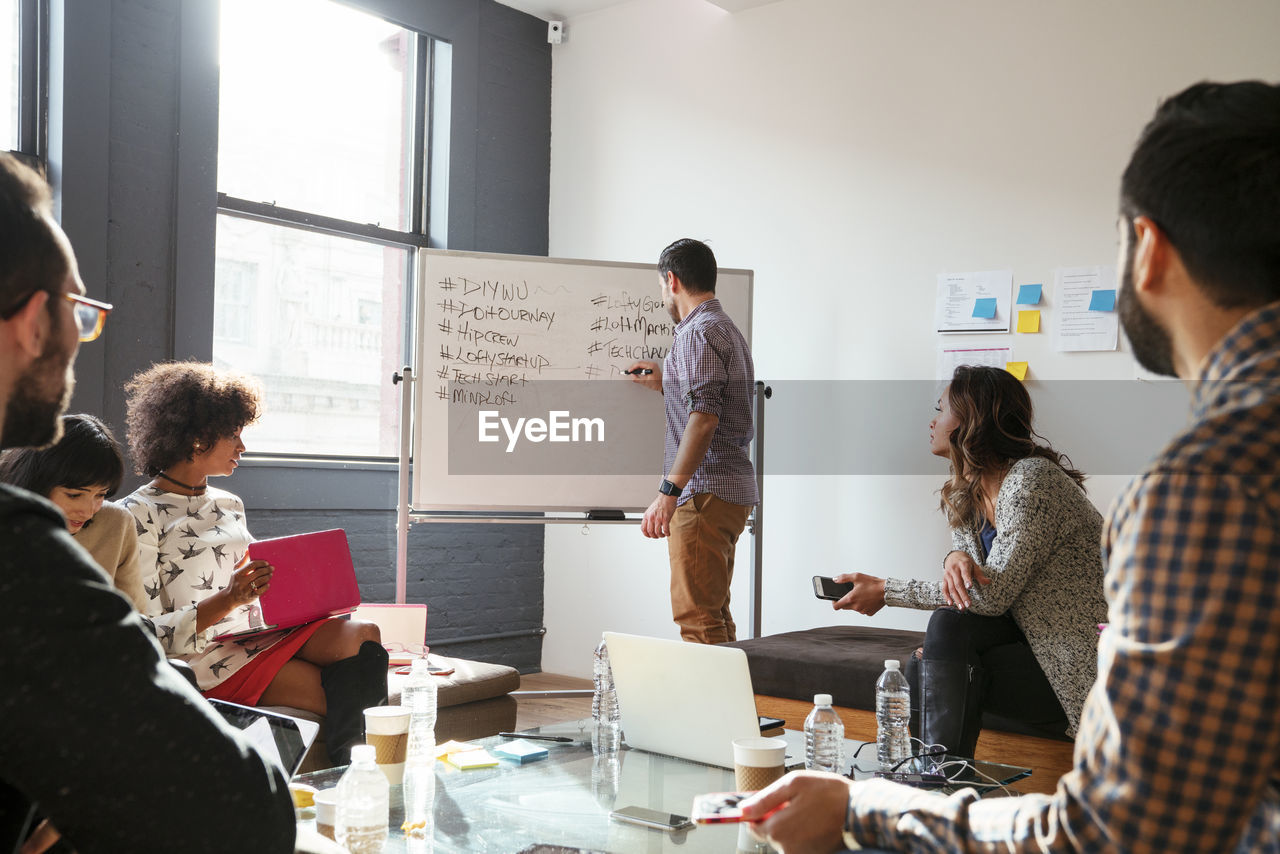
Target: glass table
{"points": [[563, 802]]}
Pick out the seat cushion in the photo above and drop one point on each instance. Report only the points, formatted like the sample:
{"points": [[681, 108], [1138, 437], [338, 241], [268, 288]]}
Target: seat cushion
{"points": [[843, 661], [469, 682]]}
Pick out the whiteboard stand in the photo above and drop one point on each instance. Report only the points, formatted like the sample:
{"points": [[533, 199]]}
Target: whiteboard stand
{"points": [[405, 379], [756, 592]]}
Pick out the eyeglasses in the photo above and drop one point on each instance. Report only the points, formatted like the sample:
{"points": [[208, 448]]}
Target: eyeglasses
{"points": [[417, 650], [91, 315]]}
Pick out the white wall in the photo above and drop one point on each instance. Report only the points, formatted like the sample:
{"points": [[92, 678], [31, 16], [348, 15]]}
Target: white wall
{"points": [[848, 151]]}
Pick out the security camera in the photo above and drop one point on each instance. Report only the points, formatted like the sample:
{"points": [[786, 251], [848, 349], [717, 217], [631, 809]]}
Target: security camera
{"points": [[555, 32]]}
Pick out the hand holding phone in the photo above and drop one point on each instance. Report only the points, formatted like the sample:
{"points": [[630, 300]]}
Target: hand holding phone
{"points": [[652, 818], [720, 807], [826, 588]]}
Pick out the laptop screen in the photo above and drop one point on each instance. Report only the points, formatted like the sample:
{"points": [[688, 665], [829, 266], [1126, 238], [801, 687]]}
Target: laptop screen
{"points": [[281, 739]]}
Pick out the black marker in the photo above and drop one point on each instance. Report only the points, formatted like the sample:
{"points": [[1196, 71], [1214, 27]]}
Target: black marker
{"points": [[535, 737], [640, 371]]}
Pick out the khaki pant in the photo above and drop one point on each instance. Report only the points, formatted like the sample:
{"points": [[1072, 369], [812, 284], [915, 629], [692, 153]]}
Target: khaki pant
{"points": [[704, 531]]}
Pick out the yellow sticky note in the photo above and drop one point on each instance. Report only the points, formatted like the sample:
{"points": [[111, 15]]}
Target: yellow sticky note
{"points": [[443, 750], [1018, 369], [468, 759], [1029, 321]]}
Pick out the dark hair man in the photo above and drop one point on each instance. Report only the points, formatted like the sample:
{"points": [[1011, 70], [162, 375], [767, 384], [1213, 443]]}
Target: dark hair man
{"points": [[1179, 742], [97, 732], [707, 382]]}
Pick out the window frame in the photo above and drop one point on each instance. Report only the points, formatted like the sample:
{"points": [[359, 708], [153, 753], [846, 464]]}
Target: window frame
{"points": [[33, 83], [431, 120]]}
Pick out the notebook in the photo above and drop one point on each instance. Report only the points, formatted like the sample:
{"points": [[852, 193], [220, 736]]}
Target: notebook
{"points": [[282, 740], [688, 700], [313, 579]]}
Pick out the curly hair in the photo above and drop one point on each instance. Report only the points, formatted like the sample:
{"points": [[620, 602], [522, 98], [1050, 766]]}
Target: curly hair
{"points": [[174, 405], [994, 411]]}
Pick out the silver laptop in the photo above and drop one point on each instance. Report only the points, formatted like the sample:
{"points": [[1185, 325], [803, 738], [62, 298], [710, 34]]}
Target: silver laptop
{"points": [[682, 699]]}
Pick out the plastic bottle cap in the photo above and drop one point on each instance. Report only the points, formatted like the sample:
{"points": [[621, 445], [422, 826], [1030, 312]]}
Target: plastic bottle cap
{"points": [[892, 664], [420, 665], [363, 753], [822, 699]]}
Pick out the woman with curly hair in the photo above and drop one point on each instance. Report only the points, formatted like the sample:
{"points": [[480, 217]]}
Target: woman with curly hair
{"points": [[184, 423], [78, 474], [1023, 642]]}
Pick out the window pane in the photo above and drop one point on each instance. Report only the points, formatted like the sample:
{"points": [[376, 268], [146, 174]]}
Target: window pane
{"points": [[314, 111], [10, 76], [318, 320]]}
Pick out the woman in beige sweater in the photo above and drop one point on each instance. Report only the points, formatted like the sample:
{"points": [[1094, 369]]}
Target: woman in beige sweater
{"points": [[79, 474]]}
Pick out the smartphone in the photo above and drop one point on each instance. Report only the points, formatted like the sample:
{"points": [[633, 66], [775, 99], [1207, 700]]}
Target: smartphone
{"points": [[652, 818], [435, 671], [718, 807], [825, 588]]}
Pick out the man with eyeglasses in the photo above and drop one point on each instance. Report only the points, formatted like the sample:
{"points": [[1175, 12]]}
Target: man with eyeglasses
{"points": [[97, 732]]}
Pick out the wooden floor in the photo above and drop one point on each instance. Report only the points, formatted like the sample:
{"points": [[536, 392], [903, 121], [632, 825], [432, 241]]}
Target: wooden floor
{"points": [[1048, 759]]}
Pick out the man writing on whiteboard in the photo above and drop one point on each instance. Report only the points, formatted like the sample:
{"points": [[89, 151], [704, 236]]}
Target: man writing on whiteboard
{"points": [[707, 381]]}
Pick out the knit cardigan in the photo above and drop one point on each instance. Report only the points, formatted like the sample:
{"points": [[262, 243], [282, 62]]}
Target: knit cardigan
{"points": [[1045, 567]]}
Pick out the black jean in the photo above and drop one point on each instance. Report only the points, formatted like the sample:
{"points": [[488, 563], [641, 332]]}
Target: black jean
{"points": [[1013, 685]]}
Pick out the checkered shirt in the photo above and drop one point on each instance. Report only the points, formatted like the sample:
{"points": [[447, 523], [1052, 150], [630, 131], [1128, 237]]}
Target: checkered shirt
{"points": [[709, 369], [1179, 744]]}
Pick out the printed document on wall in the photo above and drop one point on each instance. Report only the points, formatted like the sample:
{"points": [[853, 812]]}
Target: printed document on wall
{"points": [[1078, 327], [974, 302], [950, 358]]}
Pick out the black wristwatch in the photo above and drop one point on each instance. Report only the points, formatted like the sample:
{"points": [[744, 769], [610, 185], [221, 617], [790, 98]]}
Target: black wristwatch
{"points": [[669, 488]]}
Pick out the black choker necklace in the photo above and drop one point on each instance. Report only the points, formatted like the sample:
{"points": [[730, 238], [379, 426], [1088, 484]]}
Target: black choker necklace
{"points": [[197, 490]]}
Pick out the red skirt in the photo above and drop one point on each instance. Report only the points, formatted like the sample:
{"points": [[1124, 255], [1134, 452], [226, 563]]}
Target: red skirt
{"points": [[246, 685]]}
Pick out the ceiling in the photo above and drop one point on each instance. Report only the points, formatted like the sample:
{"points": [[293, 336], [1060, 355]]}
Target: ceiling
{"points": [[559, 10]]}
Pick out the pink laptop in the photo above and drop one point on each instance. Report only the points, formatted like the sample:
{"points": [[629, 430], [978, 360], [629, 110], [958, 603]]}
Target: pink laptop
{"points": [[314, 578]]}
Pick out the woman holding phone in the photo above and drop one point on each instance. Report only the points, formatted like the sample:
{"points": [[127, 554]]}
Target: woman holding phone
{"points": [[1014, 627]]}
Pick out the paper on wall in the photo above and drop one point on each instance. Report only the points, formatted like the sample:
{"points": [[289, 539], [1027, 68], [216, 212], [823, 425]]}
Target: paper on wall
{"points": [[950, 358], [959, 293], [1078, 328]]}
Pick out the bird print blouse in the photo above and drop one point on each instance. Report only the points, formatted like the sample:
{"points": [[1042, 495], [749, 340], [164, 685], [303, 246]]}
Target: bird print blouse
{"points": [[189, 546]]}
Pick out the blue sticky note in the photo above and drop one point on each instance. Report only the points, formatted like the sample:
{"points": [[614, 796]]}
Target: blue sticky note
{"points": [[985, 307], [1104, 300], [1029, 294], [521, 751]]}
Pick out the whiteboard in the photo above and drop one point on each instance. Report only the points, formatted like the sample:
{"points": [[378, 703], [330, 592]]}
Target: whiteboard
{"points": [[513, 336]]}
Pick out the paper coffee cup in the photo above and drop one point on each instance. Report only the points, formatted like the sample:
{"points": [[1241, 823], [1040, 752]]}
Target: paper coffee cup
{"points": [[387, 729], [326, 812], [757, 762]]}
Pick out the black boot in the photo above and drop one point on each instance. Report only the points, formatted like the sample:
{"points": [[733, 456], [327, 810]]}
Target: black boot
{"points": [[351, 686], [951, 705], [911, 670]]}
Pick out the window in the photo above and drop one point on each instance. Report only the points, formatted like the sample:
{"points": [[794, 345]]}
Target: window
{"points": [[22, 86], [10, 72], [322, 199]]}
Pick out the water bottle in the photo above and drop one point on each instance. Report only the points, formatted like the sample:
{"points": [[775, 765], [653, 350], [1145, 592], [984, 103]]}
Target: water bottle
{"points": [[419, 697], [363, 804], [606, 763], [824, 737], [419, 792], [893, 713], [604, 703]]}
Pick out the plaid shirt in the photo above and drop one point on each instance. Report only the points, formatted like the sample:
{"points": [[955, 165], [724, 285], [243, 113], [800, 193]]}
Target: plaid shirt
{"points": [[709, 369], [1179, 744]]}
